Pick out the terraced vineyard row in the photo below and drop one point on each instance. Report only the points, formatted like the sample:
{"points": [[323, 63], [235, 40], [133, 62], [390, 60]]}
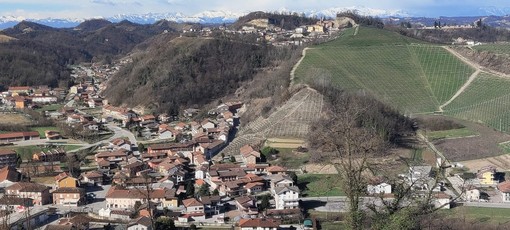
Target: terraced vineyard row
{"points": [[486, 100], [298, 117], [290, 120]]}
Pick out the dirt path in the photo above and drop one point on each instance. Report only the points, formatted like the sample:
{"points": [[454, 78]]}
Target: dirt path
{"points": [[478, 69], [474, 64], [464, 87], [292, 75]]}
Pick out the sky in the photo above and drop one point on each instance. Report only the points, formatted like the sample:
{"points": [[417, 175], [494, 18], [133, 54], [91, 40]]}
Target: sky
{"points": [[104, 8]]}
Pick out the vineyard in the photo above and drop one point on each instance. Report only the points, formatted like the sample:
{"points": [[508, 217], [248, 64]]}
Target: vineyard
{"points": [[413, 77], [486, 100], [292, 120]]}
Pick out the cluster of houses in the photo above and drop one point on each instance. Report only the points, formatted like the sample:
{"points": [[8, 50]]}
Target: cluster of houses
{"points": [[278, 36], [20, 97], [486, 178], [161, 175], [267, 31]]}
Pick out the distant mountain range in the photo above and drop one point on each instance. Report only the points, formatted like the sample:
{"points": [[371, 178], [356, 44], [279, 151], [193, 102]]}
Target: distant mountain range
{"points": [[219, 17]]}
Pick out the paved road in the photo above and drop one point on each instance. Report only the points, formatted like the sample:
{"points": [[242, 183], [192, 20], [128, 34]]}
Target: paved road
{"points": [[118, 133], [46, 142], [486, 204]]}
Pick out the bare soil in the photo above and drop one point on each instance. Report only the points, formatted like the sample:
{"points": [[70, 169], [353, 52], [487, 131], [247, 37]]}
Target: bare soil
{"points": [[474, 147], [502, 163], [14, 118]]}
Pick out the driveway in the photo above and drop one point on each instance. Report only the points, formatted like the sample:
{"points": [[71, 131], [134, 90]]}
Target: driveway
{"points": [[118, 133]]}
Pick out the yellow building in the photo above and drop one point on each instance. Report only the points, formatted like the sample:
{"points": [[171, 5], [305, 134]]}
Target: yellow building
{"points": [[20, 104], [64, 180], [487, 175]]}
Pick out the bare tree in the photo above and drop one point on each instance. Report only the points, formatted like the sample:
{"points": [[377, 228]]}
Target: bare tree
{"points": [[350, 146]]}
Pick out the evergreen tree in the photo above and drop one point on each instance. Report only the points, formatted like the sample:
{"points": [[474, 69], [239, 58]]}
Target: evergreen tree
{"points": [[204, 190], [190, 189], [264, 203]]}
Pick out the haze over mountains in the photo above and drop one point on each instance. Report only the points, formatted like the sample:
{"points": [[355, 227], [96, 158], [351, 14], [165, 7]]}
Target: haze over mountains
{"points": [[218, 17]]}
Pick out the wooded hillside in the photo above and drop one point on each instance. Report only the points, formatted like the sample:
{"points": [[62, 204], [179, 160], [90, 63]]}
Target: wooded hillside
{"points": [[41, 54], [189, 71]]}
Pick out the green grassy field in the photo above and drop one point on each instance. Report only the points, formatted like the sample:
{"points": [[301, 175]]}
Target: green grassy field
{"points": [[452, 133], [52, 107], [480, 214], [313, 185], [494, 48], [42, 129], [26, 152], [287, 158], [486, 100], [415, 78]]}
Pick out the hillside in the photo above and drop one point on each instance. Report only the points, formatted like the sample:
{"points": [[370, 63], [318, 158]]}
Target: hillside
{"points": [[412, 76], [39, 54], [261, 19], [176, 72]]}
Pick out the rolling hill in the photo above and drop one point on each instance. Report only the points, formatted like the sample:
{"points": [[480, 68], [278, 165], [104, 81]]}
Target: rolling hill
{"points": [[413, 76], [175, 72], [38, 54]]}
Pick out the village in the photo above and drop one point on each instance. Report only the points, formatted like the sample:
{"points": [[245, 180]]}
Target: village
{"points": [[144, 167], [125, 168]]}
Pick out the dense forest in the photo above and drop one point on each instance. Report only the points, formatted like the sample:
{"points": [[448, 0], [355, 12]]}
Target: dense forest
{"points": [[285, 21], [41, 54], [177, 72]]}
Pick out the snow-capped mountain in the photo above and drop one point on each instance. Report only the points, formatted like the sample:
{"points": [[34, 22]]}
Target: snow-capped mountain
{"points": [[206, 17], [217, 17], [492, 10], [331, 12]]}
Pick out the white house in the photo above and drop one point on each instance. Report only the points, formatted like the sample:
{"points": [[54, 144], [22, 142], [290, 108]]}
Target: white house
{"points": [[504, 188], [44, 99], [142, 223], [442, 200], [120, 143], [193, 206], [382, 188], [259, 224], [286, 197], [206, 124], [472, 194], [8, 176], [167, 134]]}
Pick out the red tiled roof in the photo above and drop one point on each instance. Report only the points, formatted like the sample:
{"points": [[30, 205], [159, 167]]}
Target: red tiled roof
{"points": [[61, 176], [504, 187], [246, 149], [116, 153], [27, 187], [191, 202], [92, 174], [199, 182], [9, 173], [7, 152], [19, 135], [276, 168], [251, 185], [11, 88], [442, 195], [69, 190]]}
